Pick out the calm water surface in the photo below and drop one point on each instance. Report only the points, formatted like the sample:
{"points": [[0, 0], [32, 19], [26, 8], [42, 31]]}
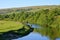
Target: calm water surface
{"points": [[35, 35]]}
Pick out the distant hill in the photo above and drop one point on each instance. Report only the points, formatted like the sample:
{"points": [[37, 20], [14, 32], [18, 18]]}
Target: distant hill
{"points": [[30, 8]]}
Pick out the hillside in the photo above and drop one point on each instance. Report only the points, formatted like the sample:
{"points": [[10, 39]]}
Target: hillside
{"points": [[47, 17]]}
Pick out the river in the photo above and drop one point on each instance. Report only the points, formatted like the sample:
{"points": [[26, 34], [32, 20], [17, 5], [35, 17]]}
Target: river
{"points": [[35, 35]]}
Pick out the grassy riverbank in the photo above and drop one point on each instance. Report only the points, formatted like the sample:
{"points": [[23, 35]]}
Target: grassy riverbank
{"points": [[13, 29]]}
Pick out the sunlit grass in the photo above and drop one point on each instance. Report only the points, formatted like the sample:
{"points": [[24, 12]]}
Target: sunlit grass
{"points": [[9, 25]]}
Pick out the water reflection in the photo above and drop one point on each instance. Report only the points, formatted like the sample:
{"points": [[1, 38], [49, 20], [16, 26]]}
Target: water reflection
{"points": [[33, 36], [52, 32], [40, 33], [58, 39]]}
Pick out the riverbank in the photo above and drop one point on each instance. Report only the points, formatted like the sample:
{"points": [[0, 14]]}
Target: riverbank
{"points": [[15, 31]]}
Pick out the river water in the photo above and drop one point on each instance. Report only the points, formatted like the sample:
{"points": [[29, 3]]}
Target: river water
{"points": [[34, 35]]}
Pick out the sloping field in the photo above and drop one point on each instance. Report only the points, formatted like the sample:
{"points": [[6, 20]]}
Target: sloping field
{"points": [[9, 25]]}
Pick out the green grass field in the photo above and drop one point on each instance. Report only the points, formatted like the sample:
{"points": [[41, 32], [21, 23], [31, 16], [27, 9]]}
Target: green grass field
{"points": [[9, 25]]}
